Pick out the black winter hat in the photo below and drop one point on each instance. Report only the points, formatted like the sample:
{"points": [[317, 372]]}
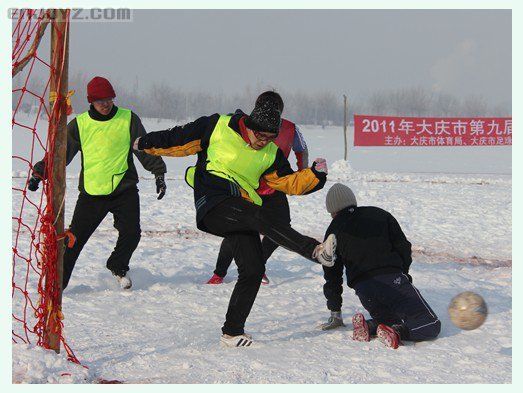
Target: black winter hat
{"points": [[266, 116]]}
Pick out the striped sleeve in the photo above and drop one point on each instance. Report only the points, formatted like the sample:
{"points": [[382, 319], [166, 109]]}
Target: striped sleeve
{"points": [[281, 177], [179, 141], [299, 146]]}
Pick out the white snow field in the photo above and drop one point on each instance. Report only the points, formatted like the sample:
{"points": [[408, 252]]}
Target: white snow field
{"points": [[166, 329]]}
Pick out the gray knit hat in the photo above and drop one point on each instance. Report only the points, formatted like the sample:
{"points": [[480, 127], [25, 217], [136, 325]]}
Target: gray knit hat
{"points": [[339, 197]]}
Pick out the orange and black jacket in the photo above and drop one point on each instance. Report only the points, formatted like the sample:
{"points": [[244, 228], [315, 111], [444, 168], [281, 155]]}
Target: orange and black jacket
{"points": [[209, 190]]}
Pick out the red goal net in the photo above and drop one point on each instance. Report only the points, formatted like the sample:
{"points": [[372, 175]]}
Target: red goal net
{"points": [[39, 109]]}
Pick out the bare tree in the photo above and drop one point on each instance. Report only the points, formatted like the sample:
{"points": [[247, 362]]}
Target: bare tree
{"points": [[474, 106], [446, 105], [160, 100], [378, 103], [418, 101]]}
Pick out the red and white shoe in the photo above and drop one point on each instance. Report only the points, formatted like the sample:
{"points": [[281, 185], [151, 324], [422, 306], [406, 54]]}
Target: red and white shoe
{"points": [[215, 279], [360, 330], [388, 336], [265, 279]]}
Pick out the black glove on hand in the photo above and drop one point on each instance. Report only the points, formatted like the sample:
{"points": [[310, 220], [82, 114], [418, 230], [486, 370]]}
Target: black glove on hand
{"points": [[409, 277], [161, 187], [37, 176], [34, 182]]}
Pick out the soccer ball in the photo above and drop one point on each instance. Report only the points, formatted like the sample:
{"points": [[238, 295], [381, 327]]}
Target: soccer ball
{"points": [[468, 310]]}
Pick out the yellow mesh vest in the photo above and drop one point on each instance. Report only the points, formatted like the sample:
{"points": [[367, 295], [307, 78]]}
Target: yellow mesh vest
{"points": [[105, 147], [229, 157]]}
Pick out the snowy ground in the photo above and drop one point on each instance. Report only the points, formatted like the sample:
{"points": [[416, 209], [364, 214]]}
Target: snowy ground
{"points": [[166, 329]]}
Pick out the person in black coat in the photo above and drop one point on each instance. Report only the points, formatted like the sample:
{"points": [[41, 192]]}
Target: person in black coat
{"points": [[108, 179], [376, 256]]}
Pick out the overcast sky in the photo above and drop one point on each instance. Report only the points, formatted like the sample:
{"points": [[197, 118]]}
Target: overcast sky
{"points": [[354, 52]]}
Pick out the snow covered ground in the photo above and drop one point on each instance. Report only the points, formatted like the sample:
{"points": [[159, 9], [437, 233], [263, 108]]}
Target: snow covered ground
{"points": [[167, 328]]}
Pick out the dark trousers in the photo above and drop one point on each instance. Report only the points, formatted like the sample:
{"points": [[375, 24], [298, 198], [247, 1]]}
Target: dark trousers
{"points": [[274, 206], [89, 213], [392, 300], [242, 222]]}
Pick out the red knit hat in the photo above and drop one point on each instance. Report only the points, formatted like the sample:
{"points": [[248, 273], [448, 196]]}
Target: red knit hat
{"points": [[99, 89]]}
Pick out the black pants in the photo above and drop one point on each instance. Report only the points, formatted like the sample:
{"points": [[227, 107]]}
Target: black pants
{"points": [[241, 223], [392, 300], [274, 206], [89, 213]]}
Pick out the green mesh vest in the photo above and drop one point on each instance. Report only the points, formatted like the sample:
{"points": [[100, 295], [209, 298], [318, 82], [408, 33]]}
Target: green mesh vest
{"points": [[229, 157], [105, 147]]}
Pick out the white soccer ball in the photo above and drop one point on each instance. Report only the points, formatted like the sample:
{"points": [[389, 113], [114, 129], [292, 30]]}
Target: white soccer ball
{"points": [[468, 310]]}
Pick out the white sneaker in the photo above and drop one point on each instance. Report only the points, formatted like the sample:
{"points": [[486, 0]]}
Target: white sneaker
{"points": [[125, 281], [325, 253], [243, 340]]}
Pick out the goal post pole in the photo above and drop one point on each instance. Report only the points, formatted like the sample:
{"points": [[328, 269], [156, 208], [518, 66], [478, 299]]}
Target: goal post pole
{"points": [[58, 84]]}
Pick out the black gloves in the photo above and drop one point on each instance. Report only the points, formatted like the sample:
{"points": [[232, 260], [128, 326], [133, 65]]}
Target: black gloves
{"points": [[161, 187], [34, 182], [37, 176]]}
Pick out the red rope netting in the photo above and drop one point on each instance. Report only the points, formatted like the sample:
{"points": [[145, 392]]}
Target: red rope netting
{"points": [[36, 300]]}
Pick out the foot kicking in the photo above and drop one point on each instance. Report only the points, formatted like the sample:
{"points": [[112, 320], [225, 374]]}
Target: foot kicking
{"points": [[325, 253], [243, 340]]}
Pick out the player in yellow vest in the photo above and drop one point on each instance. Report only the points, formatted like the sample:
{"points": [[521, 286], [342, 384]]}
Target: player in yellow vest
{"points": [[234, 153], [108, 178], [275, 203]]}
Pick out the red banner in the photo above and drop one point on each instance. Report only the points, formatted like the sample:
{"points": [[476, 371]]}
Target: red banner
{"points": [[432, 131]]}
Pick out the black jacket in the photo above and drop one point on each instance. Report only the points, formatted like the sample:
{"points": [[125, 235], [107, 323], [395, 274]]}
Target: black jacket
{"points": [[209, 189], [369, 242], [155, 165]]}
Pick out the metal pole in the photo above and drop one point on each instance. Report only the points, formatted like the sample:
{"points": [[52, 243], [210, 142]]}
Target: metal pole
{"points": [[345, 125]]}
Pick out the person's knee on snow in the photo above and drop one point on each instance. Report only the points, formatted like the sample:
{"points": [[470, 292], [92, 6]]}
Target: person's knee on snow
{"points": [[428, 331], [376, 256]]}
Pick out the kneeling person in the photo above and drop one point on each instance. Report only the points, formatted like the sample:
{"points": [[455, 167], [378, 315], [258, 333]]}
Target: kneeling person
{"points": [[377, 257]]}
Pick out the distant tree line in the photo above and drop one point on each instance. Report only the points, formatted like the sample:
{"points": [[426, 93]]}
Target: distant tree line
{"points": [[160, 100]]}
